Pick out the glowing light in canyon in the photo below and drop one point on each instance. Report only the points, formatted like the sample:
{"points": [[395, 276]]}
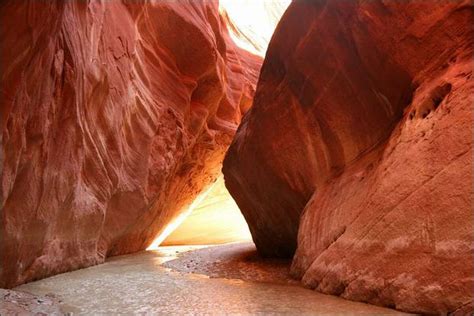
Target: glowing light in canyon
{"points": [[217, 219], [178, 220], [214, 217], [252, 23]]}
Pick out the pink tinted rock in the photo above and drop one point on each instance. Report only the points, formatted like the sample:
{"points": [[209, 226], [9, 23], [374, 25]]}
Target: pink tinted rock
{"points": [[114, 117], [357, 152]]}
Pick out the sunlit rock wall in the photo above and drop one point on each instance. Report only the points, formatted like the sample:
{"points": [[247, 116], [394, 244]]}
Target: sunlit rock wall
{"points": [[114, 116], [360, 135], [252, 22], [216, 219]]}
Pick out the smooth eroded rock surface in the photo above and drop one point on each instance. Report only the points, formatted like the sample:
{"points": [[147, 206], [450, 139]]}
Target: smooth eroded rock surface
{"points": [[361, 136], [114, 116]]}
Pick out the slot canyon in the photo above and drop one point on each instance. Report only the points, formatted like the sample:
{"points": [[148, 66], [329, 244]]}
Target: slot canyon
{"points": [[237, 157]]}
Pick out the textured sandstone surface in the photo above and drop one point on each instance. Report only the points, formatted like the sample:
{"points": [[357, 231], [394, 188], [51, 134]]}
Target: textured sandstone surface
{"points": [[361, 136], [13, 303], [114, 116]]}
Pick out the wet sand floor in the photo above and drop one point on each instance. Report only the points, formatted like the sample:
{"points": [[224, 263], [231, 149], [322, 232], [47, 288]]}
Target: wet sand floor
{"points": [[139, 283]]}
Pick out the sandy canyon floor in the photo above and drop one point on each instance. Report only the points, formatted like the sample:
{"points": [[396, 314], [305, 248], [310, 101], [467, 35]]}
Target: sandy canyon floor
{"points": [[226, 279]]}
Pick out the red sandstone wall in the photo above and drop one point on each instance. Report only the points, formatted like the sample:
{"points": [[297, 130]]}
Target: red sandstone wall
{"points": [[114, 116], [360, 136]]}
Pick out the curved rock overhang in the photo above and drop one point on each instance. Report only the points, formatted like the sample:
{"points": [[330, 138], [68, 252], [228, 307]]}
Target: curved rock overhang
{"points": [[357, 151], [115, 116]]}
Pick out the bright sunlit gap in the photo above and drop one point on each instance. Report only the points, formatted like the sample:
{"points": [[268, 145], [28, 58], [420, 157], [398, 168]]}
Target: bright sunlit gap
{"points": [[213, 218], [252, 22], [216, 220], [179, 220]]}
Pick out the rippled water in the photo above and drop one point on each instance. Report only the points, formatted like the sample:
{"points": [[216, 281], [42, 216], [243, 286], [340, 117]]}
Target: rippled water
{"points": [[139, 284]]}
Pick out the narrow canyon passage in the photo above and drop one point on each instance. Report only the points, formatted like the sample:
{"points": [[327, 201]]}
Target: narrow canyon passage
{"points": [[236, 157]]}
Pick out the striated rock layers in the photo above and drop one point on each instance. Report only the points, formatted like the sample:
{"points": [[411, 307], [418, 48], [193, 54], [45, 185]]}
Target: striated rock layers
{"points": [[115, 115], [360, 135]]}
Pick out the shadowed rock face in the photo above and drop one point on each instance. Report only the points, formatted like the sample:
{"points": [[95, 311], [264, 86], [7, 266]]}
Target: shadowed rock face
{"points": [[357, 151], [114, 117]]}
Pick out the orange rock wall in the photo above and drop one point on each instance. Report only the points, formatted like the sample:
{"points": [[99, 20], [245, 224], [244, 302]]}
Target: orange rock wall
{"points": [[357, 152], [114, 116]]}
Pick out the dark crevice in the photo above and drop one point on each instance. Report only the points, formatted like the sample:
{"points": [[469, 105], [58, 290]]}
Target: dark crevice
{"points": [[440, 93]]}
